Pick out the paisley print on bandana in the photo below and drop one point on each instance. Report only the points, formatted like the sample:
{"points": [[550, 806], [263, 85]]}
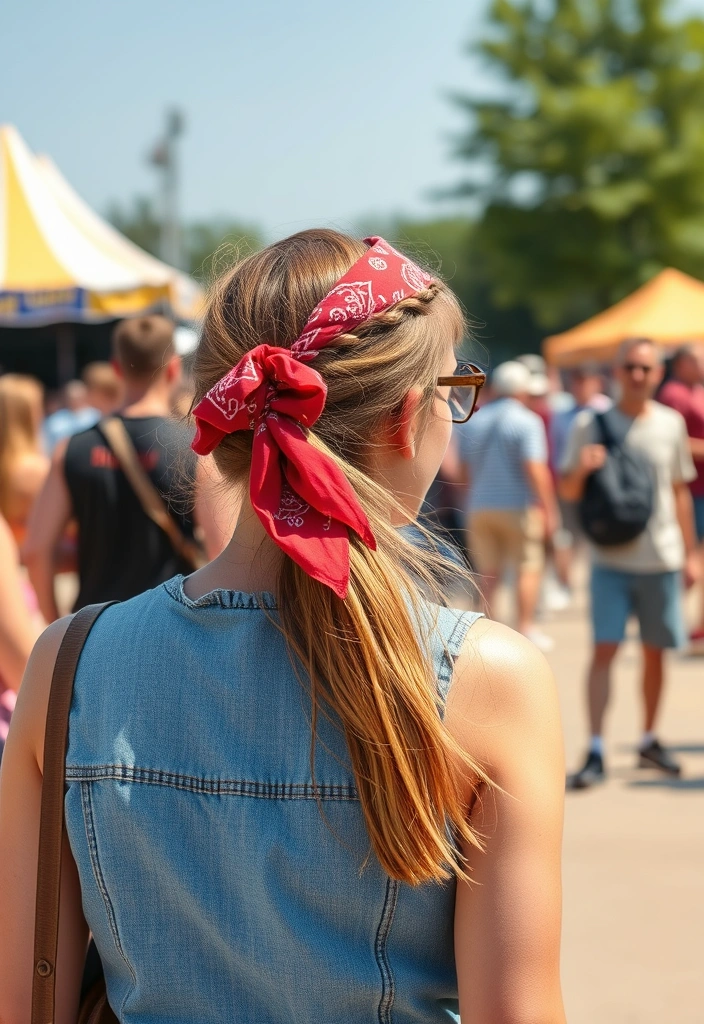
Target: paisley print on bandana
{"points": [[292, 510], [304, 501]]}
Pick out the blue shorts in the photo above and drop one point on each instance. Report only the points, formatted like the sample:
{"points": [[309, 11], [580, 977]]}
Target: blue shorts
{"points": [[698, 502], [655, 598]]}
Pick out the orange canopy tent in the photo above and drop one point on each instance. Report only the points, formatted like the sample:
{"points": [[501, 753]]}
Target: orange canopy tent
{"points": [[669, 309]]}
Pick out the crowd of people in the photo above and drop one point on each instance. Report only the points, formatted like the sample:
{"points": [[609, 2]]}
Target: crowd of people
{"points": [[520, 471], [257, 522], [508, 490], [68, 509]]}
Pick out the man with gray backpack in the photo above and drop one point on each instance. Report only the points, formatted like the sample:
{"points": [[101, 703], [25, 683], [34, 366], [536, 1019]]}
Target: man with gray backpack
{"points": [[629, 469]]}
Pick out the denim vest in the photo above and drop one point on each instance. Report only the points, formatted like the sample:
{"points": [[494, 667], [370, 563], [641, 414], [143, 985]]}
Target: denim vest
{"points": [[220, 882]]}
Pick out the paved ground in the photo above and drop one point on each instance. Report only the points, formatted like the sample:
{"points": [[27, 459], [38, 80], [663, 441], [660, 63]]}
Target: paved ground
{"points": [[634, 850]]}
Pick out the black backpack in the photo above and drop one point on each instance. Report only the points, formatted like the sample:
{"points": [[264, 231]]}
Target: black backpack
{"points": [[619, 498]]}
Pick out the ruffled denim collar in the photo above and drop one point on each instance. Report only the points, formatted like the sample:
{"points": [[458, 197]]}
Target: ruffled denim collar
{"points": [[220, 598]]}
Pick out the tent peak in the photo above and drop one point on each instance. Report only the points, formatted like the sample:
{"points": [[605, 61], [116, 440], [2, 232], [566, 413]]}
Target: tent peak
{"points": [[60, 261], [669, 308], [672, 273]]}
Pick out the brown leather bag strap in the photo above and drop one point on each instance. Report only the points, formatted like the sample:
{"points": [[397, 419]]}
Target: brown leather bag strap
{"points": [[154, 506], [51, 829]]}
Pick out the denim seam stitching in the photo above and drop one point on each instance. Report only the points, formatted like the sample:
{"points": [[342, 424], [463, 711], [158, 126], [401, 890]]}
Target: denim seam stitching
{"points": [[100, 882], [381, 953], [445, 670], [451, 649], [215, 787], [459, 632]]}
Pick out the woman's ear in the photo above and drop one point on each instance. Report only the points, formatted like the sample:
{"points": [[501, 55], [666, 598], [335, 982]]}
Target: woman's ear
{"points": [[406, 427]]}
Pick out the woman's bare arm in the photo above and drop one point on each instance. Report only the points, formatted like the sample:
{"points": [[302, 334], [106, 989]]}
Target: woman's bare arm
{"points": [[503, 709], [17, 630], [20, 801], [50, 516]]}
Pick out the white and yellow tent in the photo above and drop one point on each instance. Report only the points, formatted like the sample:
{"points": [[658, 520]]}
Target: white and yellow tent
{"points": [[60, 262]]}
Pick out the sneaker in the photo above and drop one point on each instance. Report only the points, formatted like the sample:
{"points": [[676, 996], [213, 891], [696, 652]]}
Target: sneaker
{"points": [[542, 641], [591, 774], [655, 756], [556, 598]]}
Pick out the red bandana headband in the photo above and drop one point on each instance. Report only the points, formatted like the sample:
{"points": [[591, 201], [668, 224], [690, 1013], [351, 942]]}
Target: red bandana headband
{"points": [[305, 502]]}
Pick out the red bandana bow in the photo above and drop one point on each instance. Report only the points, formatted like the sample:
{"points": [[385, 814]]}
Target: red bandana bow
{"points": [[305, 502]]}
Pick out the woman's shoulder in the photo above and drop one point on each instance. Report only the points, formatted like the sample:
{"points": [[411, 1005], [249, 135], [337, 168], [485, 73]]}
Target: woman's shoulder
{"points": [[27, 474], [30, 466], [498, 646], [503, 698], [499, 669], [30, 713], [29, 717]]}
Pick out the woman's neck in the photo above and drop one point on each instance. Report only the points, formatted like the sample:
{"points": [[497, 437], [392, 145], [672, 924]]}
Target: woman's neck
{"points": [[250, 562]]}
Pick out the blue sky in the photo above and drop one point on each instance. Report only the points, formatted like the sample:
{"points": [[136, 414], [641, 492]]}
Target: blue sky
{"points": [[318, 112], [315, 112]]}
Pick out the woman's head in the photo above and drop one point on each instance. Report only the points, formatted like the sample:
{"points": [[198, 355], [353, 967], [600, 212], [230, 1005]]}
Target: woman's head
{"points": [[385, 426], [383, 403], [18, 428], [24, 393]]}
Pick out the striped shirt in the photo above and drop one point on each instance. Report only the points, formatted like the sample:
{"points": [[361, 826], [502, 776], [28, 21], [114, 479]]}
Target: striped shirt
{"points": [[495, 444]]}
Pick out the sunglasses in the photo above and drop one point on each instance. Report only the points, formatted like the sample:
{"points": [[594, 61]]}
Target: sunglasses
{"points": [[632, 367], [464, 384]]}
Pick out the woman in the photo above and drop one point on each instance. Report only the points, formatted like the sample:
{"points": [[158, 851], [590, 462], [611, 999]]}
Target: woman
{"points": [[299, 790], [33, 391], [23, 464]]}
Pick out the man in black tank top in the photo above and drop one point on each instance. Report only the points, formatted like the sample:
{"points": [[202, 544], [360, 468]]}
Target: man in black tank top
{"points": [[121, 551]]}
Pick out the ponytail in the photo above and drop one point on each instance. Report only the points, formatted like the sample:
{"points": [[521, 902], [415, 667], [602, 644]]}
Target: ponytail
{"points": [[367, 662]]}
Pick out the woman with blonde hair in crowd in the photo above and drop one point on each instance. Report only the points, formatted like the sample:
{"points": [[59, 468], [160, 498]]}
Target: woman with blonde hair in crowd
{"points": [[23, 464], [23, 468], [300, 788], [32, 389]]}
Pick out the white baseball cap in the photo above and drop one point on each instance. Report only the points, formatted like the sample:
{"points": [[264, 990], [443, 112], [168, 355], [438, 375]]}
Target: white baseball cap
{"points": [[511, 378], [538, 385], [534, 362]]}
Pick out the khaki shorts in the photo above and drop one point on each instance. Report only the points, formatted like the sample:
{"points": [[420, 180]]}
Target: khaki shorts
{"points": [[498, 538]]}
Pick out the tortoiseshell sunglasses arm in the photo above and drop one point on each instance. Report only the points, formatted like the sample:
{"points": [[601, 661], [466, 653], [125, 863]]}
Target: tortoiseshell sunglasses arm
{"points": [[475, 379], [463, 380]]}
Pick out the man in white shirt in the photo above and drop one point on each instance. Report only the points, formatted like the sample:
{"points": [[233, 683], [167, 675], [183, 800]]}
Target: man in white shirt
{"points": [[643, 577]]}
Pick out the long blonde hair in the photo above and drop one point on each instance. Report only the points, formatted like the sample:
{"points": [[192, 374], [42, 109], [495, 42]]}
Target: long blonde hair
{"points": [[366, 657], [20, 403]]}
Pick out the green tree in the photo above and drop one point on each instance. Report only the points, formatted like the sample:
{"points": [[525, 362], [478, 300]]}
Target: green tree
{"points": [[139, 223], [588, 160], [208, 246], [212, 246], [447, 246]]}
